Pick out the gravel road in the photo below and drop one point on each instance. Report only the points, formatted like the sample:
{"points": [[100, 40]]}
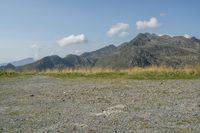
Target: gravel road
{"points": [[45, 104]]}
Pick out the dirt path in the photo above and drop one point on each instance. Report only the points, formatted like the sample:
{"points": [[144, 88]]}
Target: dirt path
{"points": [[43, 104]]}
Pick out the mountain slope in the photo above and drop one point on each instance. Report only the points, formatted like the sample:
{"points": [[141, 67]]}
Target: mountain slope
{"points": [[77, 61], [7, 67], [70, 61], [94, 56], [149, 49], [49, 62], [23, 62], [20, 62]]}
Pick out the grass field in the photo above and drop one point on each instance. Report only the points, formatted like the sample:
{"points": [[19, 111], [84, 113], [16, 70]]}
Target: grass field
{"points": [[152, 72]]}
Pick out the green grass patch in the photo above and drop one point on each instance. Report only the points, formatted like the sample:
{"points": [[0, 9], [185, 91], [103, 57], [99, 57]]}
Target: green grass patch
{"points": [[4, 74], [13, 74], [75, 75], [1, 130], [13, 113]]}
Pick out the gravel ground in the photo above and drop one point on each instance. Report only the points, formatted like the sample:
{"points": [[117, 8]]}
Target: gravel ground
{"points": [[44, 104]]}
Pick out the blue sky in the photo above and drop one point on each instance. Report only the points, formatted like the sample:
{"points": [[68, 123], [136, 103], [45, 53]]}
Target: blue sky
{"points": [[37, 28]]}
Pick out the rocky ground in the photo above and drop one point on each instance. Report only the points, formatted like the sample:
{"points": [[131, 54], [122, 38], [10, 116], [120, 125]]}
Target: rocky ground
{"points": [[44, 104]]}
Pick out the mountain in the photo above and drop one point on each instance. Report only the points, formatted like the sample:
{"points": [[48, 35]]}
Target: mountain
{"points": [[20, 62], [7, 67], [49, 62], [149, 49], [77, 61], [87, 59], [144, 50], [100, 52], [23, 62], [94, 56]]}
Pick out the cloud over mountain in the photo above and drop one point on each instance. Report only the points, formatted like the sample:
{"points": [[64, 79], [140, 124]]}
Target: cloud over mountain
{"points": [[152, 23], [72, 39], [37, 51], [187, 36], [119, 29]]}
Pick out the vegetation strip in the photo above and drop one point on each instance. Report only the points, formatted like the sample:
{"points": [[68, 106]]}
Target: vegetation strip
{"points": [[133, 73], [14, 74], [152, 72]]}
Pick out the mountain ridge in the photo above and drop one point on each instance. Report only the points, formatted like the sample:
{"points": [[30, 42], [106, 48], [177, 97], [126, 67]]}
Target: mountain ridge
{"points": [[19, 62], [144, 50]]}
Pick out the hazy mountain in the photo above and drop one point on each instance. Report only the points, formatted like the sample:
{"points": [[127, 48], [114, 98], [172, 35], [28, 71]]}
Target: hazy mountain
{"points": [[7, 67], [49, 62], [144, 50], [87, 59], [20, 62]]}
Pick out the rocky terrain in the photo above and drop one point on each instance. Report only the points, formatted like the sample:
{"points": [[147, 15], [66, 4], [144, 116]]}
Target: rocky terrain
{"points": [[46, 104]]}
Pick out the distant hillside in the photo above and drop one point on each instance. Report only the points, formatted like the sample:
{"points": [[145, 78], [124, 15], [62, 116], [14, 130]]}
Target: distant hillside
{"points": [[7, 67], [20, 62], [87, 59], [144, 50], [48, 62]]}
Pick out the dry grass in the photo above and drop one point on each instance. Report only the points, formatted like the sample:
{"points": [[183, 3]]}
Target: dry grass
{"points": [[157, 69], [164, 69], [152, 72]]}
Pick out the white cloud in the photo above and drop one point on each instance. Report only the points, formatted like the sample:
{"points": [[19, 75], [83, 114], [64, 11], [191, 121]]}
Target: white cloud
{"points": [[152, 23], [72, 39], [160, 35], [169, 35], [37, 50], [77, 52], [35, 46], [163, 14], [118, 29], [123, 34], [187, 36]]}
